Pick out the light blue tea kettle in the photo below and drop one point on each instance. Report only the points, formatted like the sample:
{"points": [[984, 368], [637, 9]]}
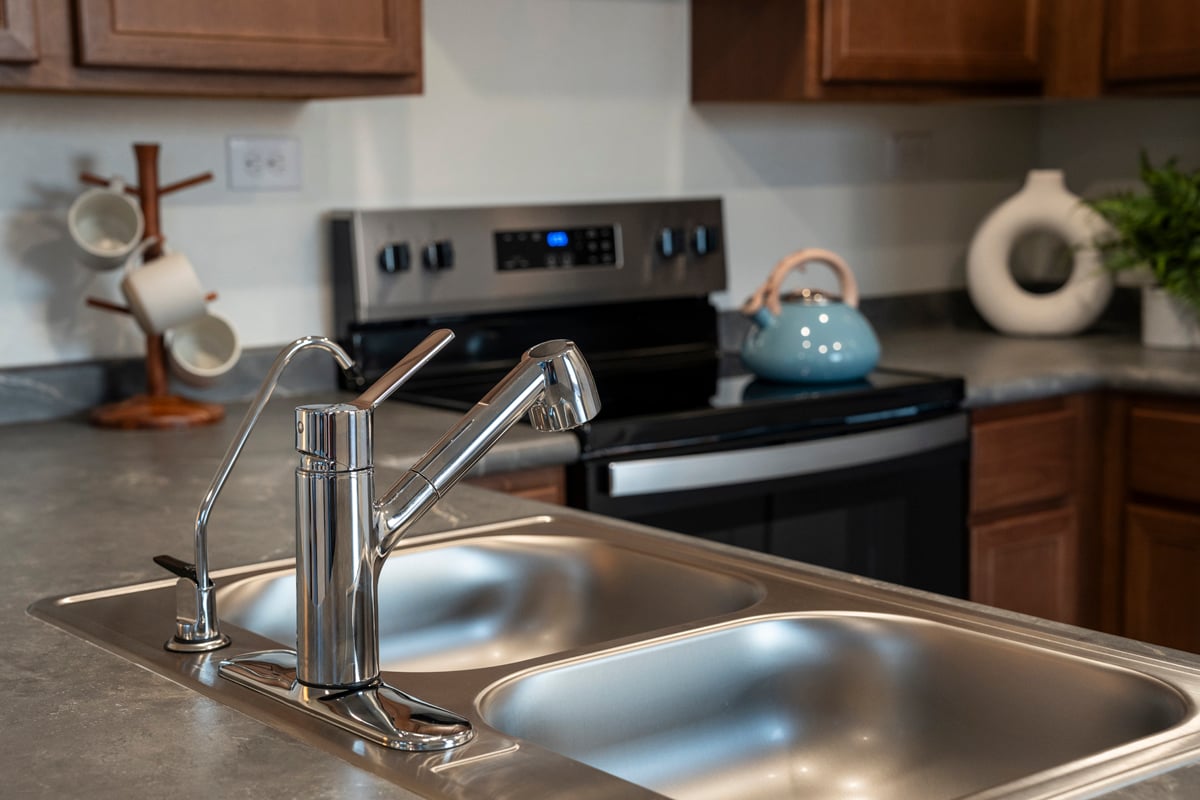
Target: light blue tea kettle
{"points": [[809, 336]]}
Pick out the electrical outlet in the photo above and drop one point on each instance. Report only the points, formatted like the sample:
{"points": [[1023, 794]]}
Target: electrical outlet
{"points": [[910, 154], [258, 163]]}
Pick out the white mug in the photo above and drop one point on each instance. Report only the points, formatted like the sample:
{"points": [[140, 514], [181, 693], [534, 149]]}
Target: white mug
{"points": [[106, 226], [162, 293], [203, 349]]}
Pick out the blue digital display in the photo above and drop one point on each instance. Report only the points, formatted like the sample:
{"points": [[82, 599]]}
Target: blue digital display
{"points": [[556, 238]]}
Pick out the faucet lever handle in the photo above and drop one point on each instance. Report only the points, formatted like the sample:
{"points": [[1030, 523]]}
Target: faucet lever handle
{"points": [[404, 369], [178, 567]]}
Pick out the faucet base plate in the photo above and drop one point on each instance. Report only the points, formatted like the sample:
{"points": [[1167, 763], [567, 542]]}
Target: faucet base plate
{"points": [[176, 645], [378, 712]]}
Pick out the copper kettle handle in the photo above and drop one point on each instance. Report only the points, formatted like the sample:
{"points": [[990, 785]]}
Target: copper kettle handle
{"points": [[768, 293]]}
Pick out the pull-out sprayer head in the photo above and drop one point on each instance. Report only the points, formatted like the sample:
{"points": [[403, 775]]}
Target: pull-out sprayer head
{"points": [[569, 396]]}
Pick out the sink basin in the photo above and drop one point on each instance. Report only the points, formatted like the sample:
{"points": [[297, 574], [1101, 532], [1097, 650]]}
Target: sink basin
{"points": [[505, 598], [600, 659], [830, 706]]}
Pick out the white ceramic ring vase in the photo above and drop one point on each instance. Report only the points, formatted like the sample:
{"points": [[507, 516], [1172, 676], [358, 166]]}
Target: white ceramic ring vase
{"points": [[1043, 204]]}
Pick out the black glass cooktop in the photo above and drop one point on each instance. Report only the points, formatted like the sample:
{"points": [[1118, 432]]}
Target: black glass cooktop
{"points": [[698, 399], [661, 381]]}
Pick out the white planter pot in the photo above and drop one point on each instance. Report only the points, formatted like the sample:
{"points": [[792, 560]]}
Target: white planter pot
{"points": [[1167, 321]]}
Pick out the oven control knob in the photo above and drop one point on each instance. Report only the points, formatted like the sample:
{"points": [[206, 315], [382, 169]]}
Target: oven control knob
{"points": [[394, 258], [438, 255], [670, 242], [706, 239]]}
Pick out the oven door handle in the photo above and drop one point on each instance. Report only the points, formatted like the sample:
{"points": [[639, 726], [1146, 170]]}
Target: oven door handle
{"points": [[700, 470]]}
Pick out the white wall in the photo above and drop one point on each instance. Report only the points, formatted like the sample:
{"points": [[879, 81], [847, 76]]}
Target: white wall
{"points": [[1097, 144], [525, 100]]}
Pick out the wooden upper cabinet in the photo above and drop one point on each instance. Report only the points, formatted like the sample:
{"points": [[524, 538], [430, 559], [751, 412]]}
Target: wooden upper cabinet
{"points": [[1152, 40], [360, 37], [981, 41], [895, 50], [773, 50], [297, 49], [18, 32]]}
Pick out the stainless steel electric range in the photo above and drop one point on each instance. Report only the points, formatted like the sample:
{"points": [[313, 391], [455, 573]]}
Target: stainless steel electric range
{"points": [[867, 477]]}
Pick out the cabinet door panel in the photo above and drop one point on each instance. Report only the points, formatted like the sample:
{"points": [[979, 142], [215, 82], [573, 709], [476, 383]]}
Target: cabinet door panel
{"points": [[18, 32], [1028, 564], [1162, 577], [547, 484], [1022, 460], [1163, 452], [980, 41], [1152, 39], [368, 37]]}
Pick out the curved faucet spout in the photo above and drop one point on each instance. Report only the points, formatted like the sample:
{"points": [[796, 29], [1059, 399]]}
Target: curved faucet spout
{"points": [[196, 625], [552, 383]]}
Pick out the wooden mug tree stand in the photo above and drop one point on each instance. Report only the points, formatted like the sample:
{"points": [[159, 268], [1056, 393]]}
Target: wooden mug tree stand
{"points": [[156, 408]]}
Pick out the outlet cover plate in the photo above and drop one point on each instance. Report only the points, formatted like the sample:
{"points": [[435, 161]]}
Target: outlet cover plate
{"points": [[264, 163], [910, 154]]}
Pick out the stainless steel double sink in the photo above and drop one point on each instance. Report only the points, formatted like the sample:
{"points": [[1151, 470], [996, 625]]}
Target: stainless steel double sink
{"points": [[599, 659]]}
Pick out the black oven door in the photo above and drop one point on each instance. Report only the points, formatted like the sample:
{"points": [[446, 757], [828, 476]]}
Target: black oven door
{"points": [[888, 503]]}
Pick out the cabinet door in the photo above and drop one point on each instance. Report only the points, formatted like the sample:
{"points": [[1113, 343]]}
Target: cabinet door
{"points": [[18, 32], [1026, 458], [1164, 446], [1162, 577], [547, 484], [1152, 40], [364, 37], [1028, 563], [958, 41]]}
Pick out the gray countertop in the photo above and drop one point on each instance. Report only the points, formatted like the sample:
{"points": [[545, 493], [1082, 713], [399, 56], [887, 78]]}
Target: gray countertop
{"points": [[1006, 369], [83, 508]]}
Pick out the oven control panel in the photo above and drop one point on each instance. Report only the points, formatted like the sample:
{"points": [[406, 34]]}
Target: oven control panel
{"points": [[568, 248], [406, 264]]}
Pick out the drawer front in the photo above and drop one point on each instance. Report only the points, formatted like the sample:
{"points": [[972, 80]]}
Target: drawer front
{"points": [[1164, 453], [1022, 460]]}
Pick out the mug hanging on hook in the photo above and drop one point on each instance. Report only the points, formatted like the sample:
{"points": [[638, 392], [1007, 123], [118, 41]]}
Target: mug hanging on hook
{"points": [[162, 293], [106, 226]]}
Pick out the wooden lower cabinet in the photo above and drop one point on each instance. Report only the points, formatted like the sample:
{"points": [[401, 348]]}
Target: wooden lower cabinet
{"points": [[1028, 563], [1152, 520], [1162, 576], [546, 484], [1033, 490]]}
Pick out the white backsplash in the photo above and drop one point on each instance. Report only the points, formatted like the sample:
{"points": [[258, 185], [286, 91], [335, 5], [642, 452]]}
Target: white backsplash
{"points": [[525, 101]]}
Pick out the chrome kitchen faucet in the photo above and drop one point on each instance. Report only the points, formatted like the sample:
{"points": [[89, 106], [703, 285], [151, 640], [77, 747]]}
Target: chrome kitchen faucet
{"points": [[343, 536]]}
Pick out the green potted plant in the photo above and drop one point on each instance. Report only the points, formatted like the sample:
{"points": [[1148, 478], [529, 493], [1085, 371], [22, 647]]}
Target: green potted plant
{"points": [[1157, 231]]}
